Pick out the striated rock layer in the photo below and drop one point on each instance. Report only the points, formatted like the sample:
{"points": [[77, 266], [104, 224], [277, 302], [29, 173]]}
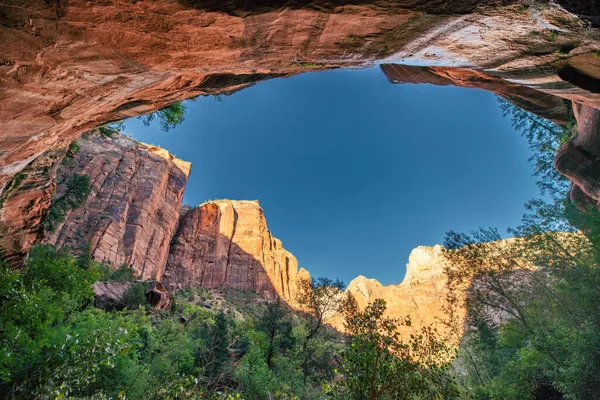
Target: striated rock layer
{"points": [[133, 206], [226, 243], [66, 67], [24, 204]]}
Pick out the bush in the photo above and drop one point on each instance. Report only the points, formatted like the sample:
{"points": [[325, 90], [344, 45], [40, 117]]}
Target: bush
{"points": [[122, 274], [135, 296]]}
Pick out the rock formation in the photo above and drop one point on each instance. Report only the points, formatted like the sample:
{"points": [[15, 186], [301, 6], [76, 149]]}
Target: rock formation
{"points": [[133, 206], [111, 295], [579, 159], [543, 104], [226, 243], [66, 67], [24, 204], [421, 294]]}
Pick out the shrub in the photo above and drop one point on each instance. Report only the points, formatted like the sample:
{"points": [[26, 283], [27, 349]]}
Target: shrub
{"points": [[135, 296], [168, 117], [122, 274]]}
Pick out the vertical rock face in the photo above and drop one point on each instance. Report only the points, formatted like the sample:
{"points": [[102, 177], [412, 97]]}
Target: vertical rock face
{"points": [[24, 204], [133, 206], [421, 294], [226, 243]]}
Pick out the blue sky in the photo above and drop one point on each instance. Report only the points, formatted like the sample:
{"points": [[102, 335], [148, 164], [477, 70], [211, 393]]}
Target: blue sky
{"points": [[354, 172]]}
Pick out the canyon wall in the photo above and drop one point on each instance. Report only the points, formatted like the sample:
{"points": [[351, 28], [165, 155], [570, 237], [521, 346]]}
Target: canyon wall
{"points": [[24, 205], [226, 243], [66, 67], [132, 209], [132, 215], [422, 293]]}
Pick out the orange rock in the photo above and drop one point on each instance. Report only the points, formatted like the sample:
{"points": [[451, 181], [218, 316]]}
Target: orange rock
{"points": [[24, 205], [226, 243], [66, 67], [133, 207], [421, 294]]}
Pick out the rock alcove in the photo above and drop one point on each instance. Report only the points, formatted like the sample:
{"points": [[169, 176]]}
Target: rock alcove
{"points": [[67, 68]]}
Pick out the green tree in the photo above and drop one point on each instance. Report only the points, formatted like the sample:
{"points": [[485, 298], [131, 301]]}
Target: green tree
{"points": [[168, 117], [215, 357], [319, 298], [276, 325], [531, 299], [135, 296], [76, 190], [378, 363]]}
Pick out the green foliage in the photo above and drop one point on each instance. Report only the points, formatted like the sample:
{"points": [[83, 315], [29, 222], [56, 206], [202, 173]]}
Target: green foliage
{"points": [[110, 129], [135, 296], [77, 188], [122, 274], [54, 344], [319, 298], [544, 138], [74, 147], [277, 327], [378, 364], [547, 347], [50, 289], [168, 117]]}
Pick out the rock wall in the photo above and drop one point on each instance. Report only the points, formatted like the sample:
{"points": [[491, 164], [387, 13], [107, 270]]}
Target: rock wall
{"points": [[24, 204], [226, 243], [421, 294], [66, 67], [133, 206]]}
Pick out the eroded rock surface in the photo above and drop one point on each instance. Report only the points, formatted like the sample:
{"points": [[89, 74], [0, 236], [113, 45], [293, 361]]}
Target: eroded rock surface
{"points": [[68, 66], [109, 295], [133, 206], [579, 159], [545, 105], [226, 243], [24, 204]]}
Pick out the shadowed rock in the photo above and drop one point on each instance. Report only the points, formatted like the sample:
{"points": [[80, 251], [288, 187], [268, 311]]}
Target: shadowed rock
{"points": [[226, 243], [131, 212], [66, 67], [109, 295]]}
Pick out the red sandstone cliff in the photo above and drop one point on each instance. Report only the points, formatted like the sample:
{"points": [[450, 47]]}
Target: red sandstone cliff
{"points": [[24, 205], [133, 206], [226, 243], [66, 67]]}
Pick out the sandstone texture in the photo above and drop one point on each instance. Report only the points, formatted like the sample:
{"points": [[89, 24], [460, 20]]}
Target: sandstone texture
{"points": [[553, 108], [109, 295], [226, 243], [421, 295], [24, 204], [157, 296], [133, 206], [66, 67]]}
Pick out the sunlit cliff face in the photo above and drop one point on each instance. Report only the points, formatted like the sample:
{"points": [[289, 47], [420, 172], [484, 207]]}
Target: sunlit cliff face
{"points": [[67, 68]]}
